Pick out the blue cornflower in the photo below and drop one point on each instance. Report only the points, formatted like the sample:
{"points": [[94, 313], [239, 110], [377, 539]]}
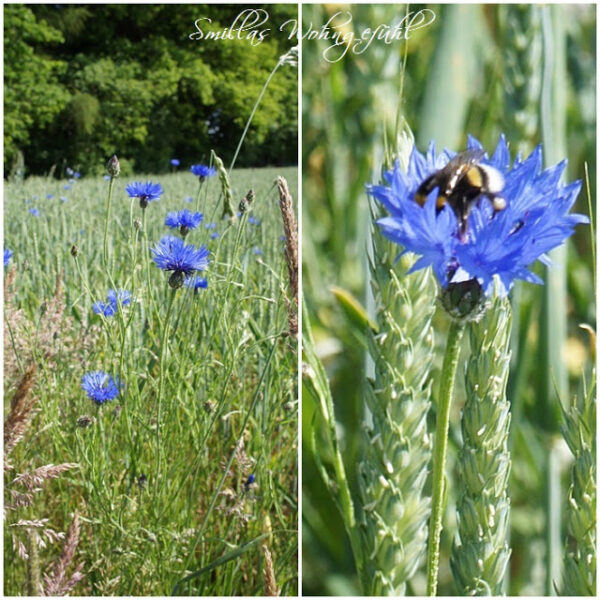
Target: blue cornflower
{"points": [[171, 254], [77, 174], [175, 162], [100, 386], [66, 186], [253, 221], [116, 296], [7, 256], [146, 192], [184, 219], [249, 483], [504, 243], [106, 309], [109, 309], [64, 199], [257, 250], [202, 171], [188, 199], [35, 212], [214, 236], [210, 225], [49, 196], [196, 282]]}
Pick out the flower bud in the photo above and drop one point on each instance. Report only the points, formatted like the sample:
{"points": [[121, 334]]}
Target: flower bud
{"points": [[74, 250], [464, 301], [113, 168], [84, 421], [176, 280]]}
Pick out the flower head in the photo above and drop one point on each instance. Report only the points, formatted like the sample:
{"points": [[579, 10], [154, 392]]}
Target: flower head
{"points": [[196, 283], [496, 244], [110, 308], [100, 386], [171, 254], [184, 219], [175, 162], [146, 192], [202, 171], [116, 296], [34, 211], [106, 309], [7, 255]]}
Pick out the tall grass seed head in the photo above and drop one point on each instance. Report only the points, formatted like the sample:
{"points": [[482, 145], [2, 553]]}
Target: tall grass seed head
{"points": [[172, 254], [113, 168], [202, 171], [146, 192], [184, 220], [494, 242], [100, 386]]}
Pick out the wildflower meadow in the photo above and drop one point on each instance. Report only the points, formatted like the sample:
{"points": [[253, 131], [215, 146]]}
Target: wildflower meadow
{"points": [[150, 378]]}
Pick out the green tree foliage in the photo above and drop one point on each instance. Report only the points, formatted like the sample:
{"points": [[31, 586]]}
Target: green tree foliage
{"points": [[33, 94], [128, 79]]}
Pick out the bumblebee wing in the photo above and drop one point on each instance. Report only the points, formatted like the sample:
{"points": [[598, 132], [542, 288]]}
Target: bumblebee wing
{"points": [[468, 157]]}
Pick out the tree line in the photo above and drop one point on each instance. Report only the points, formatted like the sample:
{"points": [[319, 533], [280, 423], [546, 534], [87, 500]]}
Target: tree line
{"points": [[82, 82]]}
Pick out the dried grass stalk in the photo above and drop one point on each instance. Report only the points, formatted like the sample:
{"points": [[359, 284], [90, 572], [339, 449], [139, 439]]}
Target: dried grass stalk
{"points": [[269, 573], [56, 582], [21, 412], [291, 251]]}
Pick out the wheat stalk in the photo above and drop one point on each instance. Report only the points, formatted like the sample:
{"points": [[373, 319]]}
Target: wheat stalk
{"points": [[397, 446], [579, 431], [480, 553]]}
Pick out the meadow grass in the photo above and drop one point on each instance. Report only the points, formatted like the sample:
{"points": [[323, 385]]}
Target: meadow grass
{"points": [[159, 477]]}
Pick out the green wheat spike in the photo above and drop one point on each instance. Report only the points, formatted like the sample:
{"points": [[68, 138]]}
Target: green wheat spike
{"points": [[519, 27], [228, 204], [480, 553], [579, 431], [397, 451]]}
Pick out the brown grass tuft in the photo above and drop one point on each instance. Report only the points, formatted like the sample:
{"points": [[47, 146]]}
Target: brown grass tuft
{"points": [[56, 582], [52, 336], [21, 412]]}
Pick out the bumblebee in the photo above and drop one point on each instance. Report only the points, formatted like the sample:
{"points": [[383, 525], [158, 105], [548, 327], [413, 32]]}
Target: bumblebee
{"points": [[461, 183]]}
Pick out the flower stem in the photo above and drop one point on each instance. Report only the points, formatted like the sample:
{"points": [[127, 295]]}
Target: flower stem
{"points": [[108, 202], [439, 457], [161, 381]]}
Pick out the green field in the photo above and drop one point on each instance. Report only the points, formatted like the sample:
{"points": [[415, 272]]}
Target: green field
{"points": [[158, 476]]}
